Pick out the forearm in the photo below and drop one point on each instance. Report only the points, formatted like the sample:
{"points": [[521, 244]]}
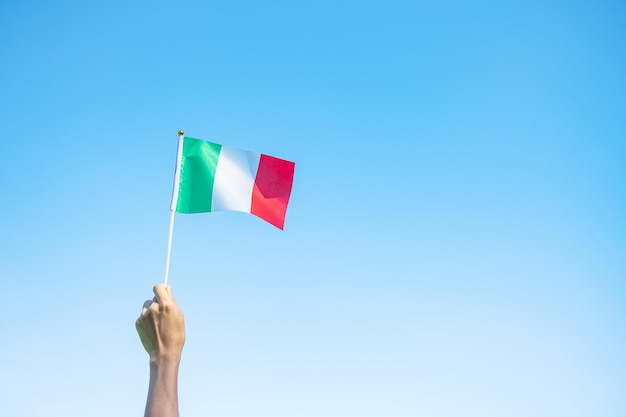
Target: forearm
{"points": [[163, 391]]}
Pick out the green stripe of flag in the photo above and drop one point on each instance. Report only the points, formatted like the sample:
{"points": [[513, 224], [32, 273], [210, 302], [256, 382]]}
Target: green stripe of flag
{"points": [[197, 174]]}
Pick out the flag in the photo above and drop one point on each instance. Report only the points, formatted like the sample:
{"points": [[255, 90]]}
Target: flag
{"points": [[211, 177]]}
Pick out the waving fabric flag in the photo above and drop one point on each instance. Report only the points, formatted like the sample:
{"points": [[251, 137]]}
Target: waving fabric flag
{"points": [[212, 177]]}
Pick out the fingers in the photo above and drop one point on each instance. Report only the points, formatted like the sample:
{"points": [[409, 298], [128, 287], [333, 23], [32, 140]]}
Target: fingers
{"points": [[162, 293], [169, 292], [146, 306], [162, 296]]}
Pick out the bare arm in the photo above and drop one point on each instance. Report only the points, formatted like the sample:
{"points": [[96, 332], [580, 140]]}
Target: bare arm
{"points": [[161, 328]]}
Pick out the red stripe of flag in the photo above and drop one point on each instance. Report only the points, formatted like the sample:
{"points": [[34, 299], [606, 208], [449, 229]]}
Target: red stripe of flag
{"points": [[272, 188]]}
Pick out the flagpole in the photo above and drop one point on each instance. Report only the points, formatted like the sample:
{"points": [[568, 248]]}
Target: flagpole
{"points": [[173, 206], [169, 247]]}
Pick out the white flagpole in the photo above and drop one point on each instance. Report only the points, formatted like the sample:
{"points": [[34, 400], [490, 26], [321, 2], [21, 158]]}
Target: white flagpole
{"points": [[169, 248], [173, 206]]}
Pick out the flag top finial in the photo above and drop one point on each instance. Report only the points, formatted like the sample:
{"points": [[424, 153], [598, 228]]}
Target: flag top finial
{"points": [[181, 133]]}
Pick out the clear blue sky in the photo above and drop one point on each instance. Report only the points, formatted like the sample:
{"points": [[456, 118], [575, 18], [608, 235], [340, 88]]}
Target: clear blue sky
{"points": [[455, 243]]}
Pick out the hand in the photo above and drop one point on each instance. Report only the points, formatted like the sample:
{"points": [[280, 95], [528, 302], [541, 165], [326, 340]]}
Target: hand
{"points": [[161, 325]]}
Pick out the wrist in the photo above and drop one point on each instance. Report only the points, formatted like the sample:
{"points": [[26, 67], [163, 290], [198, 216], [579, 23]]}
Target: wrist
{"points": [[161, 360]]}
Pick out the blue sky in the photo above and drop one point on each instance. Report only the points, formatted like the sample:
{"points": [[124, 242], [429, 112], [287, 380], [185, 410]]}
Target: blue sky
{"points": [[455, 239]]}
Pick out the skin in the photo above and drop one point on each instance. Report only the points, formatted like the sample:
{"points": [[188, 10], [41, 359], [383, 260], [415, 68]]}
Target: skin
{"points": [[161, 328]]}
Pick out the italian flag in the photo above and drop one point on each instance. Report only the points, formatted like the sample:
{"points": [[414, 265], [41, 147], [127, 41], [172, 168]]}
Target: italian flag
{"points": [[212, 177]]}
